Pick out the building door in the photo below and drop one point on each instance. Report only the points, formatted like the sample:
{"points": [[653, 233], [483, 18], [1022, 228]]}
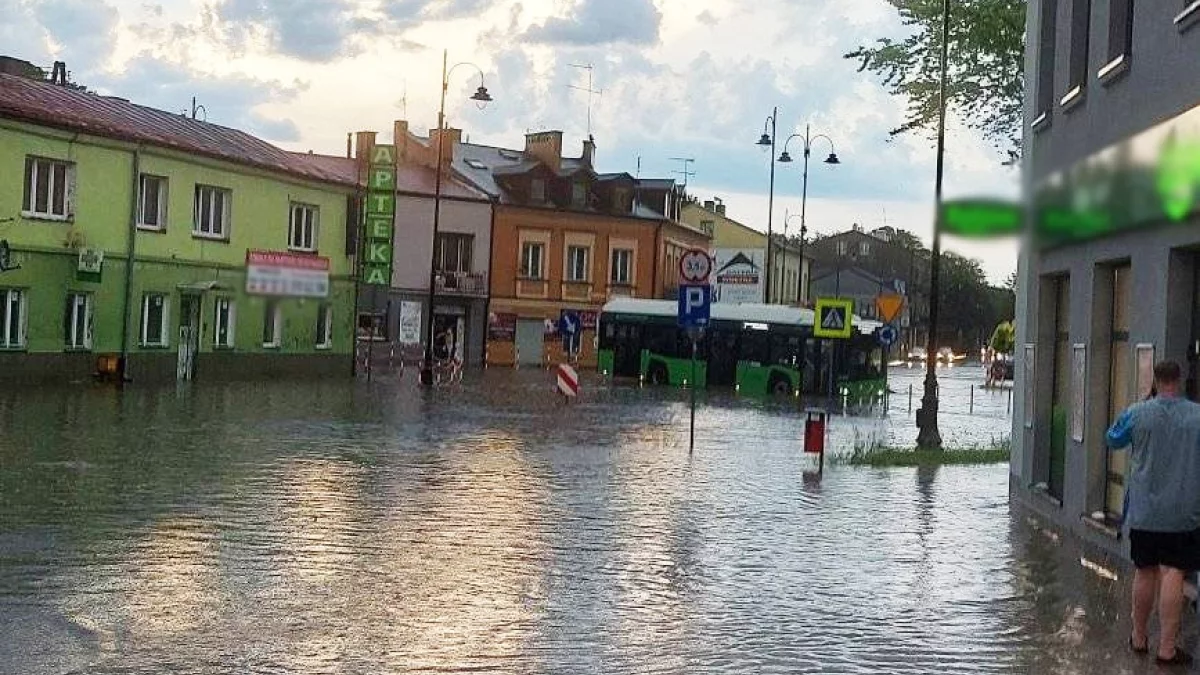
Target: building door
{"points": [[189, 335], [1120, 387], [1193, 382], [530, 341], [1061, 401]]}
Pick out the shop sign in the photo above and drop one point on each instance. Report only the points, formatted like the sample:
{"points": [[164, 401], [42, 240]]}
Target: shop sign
{"points": [[91, 262], [380, 215], [410, 322], [287, 274], [502, 327]]}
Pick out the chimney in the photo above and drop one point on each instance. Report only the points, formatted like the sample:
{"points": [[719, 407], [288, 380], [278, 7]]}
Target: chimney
{"points": [[401, 138], [364, 141], [14, 66], [453, 137], [546, 146], [720, 209], [710, 205], [589, 151]]}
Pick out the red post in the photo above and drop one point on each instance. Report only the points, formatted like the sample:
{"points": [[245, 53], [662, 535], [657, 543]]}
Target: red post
{"points": [[814, 435]]}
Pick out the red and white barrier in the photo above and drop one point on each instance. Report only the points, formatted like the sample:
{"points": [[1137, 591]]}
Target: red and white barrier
{"points": [[568, 381]]}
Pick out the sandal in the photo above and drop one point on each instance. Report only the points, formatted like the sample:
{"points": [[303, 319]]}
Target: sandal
{"points": [[1179, 658], [1139, 650]]}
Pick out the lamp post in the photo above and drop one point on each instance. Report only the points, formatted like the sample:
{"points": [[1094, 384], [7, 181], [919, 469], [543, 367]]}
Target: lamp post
{"points": [[787, 218], [928, 435], [767, 140], [785, 158], [481, 95]]}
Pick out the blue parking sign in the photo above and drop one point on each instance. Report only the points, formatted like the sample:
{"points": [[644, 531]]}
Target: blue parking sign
{"points": [[695, 300]]}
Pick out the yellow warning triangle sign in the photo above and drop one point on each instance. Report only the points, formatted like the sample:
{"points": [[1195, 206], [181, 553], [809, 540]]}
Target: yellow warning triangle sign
{"points": [[889, 306]]}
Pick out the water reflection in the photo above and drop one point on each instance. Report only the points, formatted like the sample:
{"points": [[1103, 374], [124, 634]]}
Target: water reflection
{"points": [[330, 528]]}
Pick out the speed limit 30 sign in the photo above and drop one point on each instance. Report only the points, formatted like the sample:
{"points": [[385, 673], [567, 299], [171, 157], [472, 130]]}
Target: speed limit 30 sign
{"points": [[694, 266]]}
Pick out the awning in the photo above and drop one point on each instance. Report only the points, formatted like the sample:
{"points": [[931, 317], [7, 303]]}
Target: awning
{"points": [[201, 286]]}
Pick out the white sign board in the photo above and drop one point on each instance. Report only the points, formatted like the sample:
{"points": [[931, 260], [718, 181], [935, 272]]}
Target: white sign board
{"points": [[737, 275], [287, 274], [410, 322]]}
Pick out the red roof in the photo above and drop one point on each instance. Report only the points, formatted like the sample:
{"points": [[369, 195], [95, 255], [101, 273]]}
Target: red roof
{"points": [[54, 105], [410, 178]]}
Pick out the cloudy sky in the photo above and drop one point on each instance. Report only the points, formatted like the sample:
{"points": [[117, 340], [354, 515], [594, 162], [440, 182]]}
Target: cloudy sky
{"points": [[678, 78]]}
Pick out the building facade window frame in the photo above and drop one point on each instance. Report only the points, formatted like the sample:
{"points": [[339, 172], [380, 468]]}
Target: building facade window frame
{"points": [[454, 252], [49, 189], [579, 269], [224, 323], [13, 318], [304, 222], [533, 260], [1080, 34], [537, 190], [1047, 42], [272, 334], [1120, 379], [621, 267], [211, 212], [152, 202], [324, 332], [1189, 17], [156, 320], [77, 321], [1120, 40]]}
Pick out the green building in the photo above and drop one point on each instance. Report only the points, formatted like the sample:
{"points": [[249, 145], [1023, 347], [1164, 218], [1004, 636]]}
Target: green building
{"points": [[239, 248]]}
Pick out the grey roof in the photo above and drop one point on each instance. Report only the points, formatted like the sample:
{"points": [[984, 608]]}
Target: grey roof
{"points": [[657, 183]]}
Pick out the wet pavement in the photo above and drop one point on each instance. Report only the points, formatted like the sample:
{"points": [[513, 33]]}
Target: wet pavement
{"points": [[354, 528]]}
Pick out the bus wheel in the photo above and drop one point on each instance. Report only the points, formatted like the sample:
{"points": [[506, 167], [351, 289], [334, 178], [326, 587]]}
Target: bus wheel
{"points": [[658, 374], [780, 387]]}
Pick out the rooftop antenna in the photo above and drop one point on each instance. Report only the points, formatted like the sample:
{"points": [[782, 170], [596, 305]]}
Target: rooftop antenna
{"points": [[686, 172], [403, 102], [197, 108], [590, 91]]}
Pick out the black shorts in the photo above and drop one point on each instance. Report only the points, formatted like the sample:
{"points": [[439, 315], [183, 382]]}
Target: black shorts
{"points": [[1180, 550]]}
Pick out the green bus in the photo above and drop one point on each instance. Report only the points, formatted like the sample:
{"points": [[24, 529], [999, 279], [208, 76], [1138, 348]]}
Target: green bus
{"points": [[757, 349]]}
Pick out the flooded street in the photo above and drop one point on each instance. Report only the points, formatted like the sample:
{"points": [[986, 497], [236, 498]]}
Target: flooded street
{"points": [[354, 528]]}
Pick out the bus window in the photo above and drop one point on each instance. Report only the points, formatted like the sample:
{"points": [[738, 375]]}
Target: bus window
{"points": [[660, 339], [755, 347], [786, 350]]}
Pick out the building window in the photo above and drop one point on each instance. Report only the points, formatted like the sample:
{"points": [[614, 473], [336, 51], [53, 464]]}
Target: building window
{"points": [[223, 321], [532, 255], [77, 321], [272, 335], [212, 212], [152, 202], [1081, 12], [841, 248], [156, 313], [325, 326], [864, 248], [622, 266], [537, 190], [579, 194], [302, 232], [12, 318], [453, 252], [49, 186], [577, 263], [1120, 36], [1046, 51], [1120, 382]]}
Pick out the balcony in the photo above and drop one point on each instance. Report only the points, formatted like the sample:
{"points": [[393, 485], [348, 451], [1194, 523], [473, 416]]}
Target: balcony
{"points": [[461, 283]]}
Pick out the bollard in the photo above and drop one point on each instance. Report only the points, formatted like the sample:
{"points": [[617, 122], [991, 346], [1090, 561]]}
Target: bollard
{"points": [[1010, 402], [814, 436], [910, 399], [971, 406]]}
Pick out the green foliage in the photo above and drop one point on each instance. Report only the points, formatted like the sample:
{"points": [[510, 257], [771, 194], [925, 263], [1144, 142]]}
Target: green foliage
{"points": [[986, 66], [996, 453], [1004, 338]]}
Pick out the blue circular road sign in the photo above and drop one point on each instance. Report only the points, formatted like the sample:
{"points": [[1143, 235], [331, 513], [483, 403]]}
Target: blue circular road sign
{"points": [[888, 335]]}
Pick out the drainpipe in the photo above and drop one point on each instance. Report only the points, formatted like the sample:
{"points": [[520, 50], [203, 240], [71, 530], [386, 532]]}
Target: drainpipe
{"points": [[487, 303], [656, 259], [359, 225], [130, 246]]}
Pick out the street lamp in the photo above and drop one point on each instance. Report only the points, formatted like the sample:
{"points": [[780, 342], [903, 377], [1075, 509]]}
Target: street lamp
{"points": [[481, 96], [928, 435], [767, 141], [785, 158], [787, 218]]}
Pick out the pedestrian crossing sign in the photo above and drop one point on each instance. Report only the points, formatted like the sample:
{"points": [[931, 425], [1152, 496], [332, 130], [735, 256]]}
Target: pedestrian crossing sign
{"points": [[832, 318]]}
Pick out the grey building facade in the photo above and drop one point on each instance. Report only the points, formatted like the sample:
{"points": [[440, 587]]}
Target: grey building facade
{"points": [[1109, 277]]}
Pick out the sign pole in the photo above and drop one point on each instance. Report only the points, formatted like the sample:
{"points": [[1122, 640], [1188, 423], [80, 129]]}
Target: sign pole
{"points": [[692, 433]]}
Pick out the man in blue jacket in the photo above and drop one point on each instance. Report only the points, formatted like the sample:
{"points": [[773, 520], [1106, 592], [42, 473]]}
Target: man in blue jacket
{"points": [[1163, 505]]}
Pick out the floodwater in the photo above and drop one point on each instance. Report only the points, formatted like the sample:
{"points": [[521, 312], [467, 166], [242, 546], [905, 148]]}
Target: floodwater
{"points": [[354, 528]]}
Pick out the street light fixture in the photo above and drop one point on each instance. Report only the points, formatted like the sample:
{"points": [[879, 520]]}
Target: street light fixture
{"points": [[832, 159], [767, 142], [787, 218], [481, 95]]}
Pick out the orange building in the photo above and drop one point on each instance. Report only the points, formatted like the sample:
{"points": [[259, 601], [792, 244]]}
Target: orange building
{"points": [[566, 239]]}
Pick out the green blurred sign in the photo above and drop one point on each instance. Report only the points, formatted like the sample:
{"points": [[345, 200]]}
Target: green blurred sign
{"points": [[981, 218], [380, 213]]}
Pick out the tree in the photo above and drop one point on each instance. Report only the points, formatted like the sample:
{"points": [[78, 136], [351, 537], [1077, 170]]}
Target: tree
{"points": [[986, 66]]}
